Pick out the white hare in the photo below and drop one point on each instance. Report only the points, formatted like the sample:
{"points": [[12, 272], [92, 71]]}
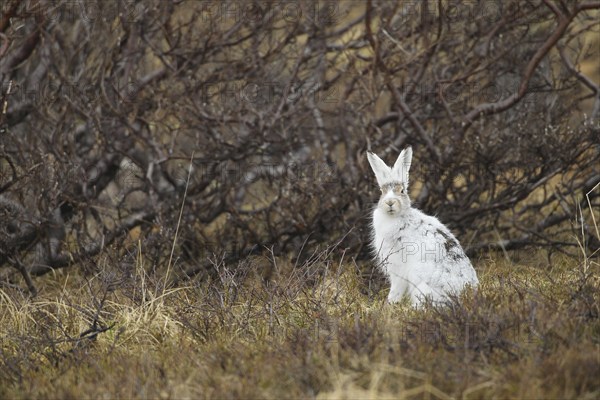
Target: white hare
{"points": [[420, 256]]}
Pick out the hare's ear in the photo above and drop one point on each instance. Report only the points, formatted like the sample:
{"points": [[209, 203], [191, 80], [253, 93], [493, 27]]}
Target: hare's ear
{"points": [[379, 167], [402, 165]]}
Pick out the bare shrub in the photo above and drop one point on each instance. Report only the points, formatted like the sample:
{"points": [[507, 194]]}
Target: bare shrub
{"points": [[253, 118]]}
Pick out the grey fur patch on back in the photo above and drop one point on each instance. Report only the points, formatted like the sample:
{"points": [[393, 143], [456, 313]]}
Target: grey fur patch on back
{"points": [[452, 246], [443, 234]]}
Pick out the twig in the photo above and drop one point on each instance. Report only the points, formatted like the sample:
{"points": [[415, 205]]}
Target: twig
{"points": [[493, 108], [179, 220], [23, 270], [587, 196]]}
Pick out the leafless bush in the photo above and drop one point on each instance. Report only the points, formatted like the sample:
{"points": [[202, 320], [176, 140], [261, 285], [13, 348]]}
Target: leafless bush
{"points": [[252, 120]]}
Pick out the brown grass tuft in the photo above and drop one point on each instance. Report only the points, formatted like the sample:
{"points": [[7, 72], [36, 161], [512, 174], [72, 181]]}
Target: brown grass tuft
{"points": [[531, 330]]}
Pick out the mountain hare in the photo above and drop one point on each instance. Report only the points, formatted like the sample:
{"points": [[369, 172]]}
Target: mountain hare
{"points": [[420, 256]]}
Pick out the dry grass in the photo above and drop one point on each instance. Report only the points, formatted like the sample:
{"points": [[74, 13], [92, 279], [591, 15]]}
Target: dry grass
{"points": [[531, 331]]}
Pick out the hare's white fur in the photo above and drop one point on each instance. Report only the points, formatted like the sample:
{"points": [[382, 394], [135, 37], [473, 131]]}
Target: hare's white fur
{"points": [[420, 256]]}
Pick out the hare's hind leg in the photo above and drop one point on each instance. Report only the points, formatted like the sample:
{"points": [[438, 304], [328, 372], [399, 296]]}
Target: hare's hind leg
{"points": [[398, 288], [420, 292], [395, 295]]}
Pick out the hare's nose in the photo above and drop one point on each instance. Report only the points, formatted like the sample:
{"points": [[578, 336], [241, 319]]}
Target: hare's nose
{"points": [[390, 203]]}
